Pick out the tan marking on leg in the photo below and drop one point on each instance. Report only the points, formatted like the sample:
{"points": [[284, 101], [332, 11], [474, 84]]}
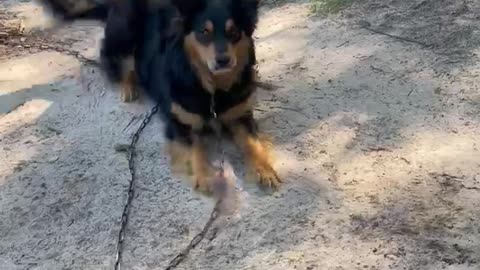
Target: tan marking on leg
{"points": [[74, 7], [187, 118], [200, 166], [257, 156], [180, 158], [129, 90], [199, 56]]}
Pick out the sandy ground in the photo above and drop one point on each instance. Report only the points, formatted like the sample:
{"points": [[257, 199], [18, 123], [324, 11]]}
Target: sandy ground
{"points": [[377, 140]]}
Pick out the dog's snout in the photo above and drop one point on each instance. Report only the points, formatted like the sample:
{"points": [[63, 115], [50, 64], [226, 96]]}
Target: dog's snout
{"points": [[223, 61]]}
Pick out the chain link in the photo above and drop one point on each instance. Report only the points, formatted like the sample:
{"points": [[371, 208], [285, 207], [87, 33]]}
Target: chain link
{"points": [[217, 126], [131, 187], [196, 240]]}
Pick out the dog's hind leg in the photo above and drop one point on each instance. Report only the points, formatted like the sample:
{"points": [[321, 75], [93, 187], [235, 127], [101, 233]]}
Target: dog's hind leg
{"points": [[129, 91], [117, 53], [180, 159]]}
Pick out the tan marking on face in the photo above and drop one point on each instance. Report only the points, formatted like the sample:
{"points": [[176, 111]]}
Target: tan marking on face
{"points": [[239, 55], [187, 118], [209, 27], [239, 110], [200, 56]]}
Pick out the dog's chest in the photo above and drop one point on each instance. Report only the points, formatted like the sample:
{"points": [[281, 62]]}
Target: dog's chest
{"points": [[199, 109]]}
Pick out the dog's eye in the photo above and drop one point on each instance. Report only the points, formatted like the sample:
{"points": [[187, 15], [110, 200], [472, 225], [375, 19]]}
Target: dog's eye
{"points": [[233, 34]]}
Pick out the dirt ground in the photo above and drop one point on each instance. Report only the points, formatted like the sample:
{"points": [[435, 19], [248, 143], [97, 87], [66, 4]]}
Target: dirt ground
{"points": [[377, 139]]}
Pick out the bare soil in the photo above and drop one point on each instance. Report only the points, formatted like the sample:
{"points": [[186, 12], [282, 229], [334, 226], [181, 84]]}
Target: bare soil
{"points": [[376, 131]]}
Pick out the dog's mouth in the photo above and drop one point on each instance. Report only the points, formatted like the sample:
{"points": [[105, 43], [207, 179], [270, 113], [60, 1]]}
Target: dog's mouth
{"points": [[216, 69], [223, 70]]}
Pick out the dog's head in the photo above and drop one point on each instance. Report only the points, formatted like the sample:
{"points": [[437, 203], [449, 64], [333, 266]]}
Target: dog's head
{"points": [[218, 33]]}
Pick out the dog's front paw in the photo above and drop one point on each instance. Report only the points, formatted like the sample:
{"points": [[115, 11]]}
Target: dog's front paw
{"points": [[267, 176], [129, 94], [200, 183]]}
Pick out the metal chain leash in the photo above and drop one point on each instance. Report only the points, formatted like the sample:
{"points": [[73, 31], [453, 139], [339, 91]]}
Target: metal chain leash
{"points": [[131, 187], [218, 132], [131, 192], [46, 45], [196, 240]]}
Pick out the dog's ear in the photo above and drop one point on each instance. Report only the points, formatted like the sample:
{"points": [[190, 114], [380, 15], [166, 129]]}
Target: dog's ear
{"points": [[246, 12], [187, 8], [253, 3]]}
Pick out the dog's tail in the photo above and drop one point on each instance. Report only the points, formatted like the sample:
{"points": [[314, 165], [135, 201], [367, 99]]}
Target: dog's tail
{"points": [[70, 10]]}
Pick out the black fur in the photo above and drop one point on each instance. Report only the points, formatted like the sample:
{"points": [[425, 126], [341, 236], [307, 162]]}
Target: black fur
{"points": [[120, 18], [120, 37], [166, 74], [64, 10], [165, 71]]}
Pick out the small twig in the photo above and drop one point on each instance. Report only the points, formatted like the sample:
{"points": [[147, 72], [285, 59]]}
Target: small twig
{"points": [[404, 39], [377, 149], [469, 188], [168, 198], [343, 44], [260, 110], [290, 109], [129, 123], [267, 86], [406, 160], [447, 176], [419, 5], [377, 69], [409, 93]]}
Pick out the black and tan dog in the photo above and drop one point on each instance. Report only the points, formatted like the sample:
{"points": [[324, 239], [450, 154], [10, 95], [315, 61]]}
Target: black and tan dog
{"points": [[201, 72]]}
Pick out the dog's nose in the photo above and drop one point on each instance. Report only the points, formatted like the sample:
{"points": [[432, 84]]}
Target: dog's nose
{"points": [[222, 61]]}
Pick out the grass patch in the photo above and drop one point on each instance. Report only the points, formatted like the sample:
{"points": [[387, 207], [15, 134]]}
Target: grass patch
{"points": [[325, 7]]}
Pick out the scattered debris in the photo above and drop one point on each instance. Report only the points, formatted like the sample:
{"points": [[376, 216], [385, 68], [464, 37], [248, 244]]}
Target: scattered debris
{"points": [[377, 149]]}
